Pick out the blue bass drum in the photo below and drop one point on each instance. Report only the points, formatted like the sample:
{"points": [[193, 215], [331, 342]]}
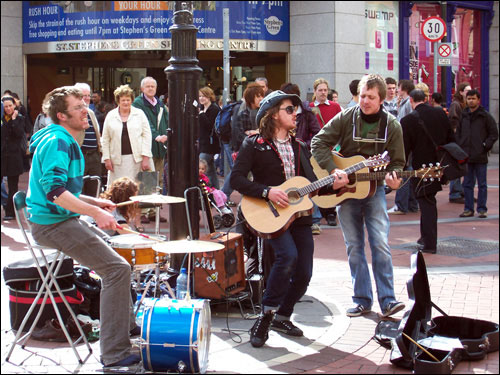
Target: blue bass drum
{"points": [[175, 335]]}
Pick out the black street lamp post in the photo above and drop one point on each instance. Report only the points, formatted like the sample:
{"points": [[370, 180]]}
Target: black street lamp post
{"points": [[182, 155]]}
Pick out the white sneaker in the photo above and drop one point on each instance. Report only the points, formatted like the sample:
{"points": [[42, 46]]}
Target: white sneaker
{"points": [[395, 211], [316, 229]]}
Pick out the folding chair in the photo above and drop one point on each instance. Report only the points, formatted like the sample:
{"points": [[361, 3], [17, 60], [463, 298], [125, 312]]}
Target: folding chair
{"points": [[48, 281], [99, 182]]}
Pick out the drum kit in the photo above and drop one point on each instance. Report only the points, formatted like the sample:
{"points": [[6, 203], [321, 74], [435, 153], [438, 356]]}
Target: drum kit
{"points": [[175, 334]]}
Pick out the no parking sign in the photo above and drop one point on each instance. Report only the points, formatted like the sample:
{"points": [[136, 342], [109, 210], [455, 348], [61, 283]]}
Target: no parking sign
{"points": [[444, 54]]}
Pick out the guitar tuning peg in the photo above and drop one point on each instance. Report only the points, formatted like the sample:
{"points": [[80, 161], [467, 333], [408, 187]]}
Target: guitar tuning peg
{"points": [[432, 179], [438, 164], [430, 165], [423, 165]]}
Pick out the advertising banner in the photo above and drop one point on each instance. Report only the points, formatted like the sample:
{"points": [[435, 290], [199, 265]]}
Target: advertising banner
{"points": [[124, 25]]}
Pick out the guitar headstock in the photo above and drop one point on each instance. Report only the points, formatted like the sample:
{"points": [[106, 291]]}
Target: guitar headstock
{"points": [[431, 172], [378, 161]]}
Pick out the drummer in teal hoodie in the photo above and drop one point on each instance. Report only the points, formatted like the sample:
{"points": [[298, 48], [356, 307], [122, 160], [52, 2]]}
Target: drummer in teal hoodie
{"points": [[55, 205]]}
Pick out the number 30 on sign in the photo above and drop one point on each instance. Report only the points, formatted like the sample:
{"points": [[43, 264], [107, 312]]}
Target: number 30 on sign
{"points": [[433, 29]]}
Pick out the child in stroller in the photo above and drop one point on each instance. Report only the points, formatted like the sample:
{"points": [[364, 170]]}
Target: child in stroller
{"points": [[217, 198]]}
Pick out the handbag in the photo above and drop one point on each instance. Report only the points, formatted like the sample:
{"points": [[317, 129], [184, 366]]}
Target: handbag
{"points": [[450, 155]]}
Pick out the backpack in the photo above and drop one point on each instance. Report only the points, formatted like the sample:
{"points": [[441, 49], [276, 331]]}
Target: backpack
{"points": [[223, 121]]}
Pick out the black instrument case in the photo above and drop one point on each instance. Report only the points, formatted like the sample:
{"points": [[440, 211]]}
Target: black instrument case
{"points": [[442, 341]]}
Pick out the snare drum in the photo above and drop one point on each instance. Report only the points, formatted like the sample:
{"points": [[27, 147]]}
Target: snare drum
{"points": [[175, 335], [136, 250]]}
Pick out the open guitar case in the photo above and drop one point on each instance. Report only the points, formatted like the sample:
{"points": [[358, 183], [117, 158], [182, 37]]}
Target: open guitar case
{"points": [[449, 339]]}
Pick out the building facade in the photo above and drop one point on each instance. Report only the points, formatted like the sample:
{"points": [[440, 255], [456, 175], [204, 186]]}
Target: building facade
{"points": [[46, 45]]}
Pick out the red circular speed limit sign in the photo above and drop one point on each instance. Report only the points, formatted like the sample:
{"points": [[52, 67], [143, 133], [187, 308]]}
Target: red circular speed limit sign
{"points": [[444, 50], [433, 29]]}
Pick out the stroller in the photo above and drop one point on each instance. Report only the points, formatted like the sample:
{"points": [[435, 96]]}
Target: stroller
{"points": [[224, 215]]}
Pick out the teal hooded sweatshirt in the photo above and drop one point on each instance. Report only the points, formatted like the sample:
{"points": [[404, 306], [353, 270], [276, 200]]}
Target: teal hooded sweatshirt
{"points": [[57, 163]]}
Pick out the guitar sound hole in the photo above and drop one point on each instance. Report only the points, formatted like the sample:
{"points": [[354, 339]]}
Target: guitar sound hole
{"points": [[293, 196]]}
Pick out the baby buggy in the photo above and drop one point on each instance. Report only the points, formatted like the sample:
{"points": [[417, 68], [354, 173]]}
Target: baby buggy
{"points": [[224, 215]]}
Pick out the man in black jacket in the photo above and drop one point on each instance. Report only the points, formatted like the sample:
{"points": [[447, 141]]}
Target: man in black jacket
{"points": [[423, 123], [476, 134], [274, 156]]}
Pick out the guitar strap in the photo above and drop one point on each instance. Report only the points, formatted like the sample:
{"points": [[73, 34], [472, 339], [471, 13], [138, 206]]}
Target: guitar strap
{"points": [[306, 164], [379, 147]]}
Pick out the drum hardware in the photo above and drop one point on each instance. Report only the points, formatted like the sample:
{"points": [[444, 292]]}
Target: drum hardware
{"points": [[175, 335], [157, 200]]}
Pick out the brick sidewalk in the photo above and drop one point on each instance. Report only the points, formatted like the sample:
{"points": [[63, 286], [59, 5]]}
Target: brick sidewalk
{"points": [[460, 286]]}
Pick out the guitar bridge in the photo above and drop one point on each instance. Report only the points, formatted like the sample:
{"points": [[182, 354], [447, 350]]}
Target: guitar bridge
{"points": [[273, 209]]}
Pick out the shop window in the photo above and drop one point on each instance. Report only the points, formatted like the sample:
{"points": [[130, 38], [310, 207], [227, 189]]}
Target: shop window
{"points": [[382, 38], [466, 39], [421, 50]]}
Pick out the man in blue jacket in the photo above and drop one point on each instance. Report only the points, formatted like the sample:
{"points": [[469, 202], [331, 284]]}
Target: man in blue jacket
{"points": [[55, 204], [476, 134]]}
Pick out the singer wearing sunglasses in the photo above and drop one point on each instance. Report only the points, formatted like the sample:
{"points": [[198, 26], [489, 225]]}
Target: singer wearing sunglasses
{"points": [[275, 156], [366, 130]]}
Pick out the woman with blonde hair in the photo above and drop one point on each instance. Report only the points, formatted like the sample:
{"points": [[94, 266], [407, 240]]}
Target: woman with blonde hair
{"points": [[126, 139]]}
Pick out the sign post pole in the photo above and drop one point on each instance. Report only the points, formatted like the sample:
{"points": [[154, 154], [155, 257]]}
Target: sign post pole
{"points": [[435, 66], [433, 29]]}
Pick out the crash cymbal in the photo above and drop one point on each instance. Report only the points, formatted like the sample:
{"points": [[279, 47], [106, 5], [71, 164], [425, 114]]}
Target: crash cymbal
{"points": [[187, 246], [157, 198]]}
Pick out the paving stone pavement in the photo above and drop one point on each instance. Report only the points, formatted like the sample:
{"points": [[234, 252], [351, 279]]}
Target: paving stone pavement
{"points": [[332, 342]]}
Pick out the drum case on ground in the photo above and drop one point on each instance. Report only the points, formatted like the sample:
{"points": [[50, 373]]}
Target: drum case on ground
{"points": [[23, 281], [220, 274], [449, 339]]}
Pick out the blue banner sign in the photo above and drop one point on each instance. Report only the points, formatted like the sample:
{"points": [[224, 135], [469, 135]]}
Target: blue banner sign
{"points": [[106, 25]]}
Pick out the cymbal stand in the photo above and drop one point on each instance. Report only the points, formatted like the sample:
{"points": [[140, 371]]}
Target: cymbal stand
{"points": [[191, 229]]}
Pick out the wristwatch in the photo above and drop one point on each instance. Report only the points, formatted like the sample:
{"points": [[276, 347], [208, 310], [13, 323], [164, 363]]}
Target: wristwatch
{"points": [[265, 193]]}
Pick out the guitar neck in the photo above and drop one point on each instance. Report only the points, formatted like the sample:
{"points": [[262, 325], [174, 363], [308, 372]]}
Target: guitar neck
{"points": [[380, 175], [312, 187]]}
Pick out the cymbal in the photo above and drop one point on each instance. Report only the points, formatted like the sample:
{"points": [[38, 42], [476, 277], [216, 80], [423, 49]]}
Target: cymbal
{"points": [[157, 198], [187, 246]]}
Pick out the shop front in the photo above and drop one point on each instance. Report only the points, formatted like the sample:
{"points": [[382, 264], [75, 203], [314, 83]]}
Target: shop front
{"points": [[111, 43]]}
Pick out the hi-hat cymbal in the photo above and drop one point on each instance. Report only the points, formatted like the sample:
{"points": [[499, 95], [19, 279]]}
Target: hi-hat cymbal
{"points": [[157, 198], [187, 246]]}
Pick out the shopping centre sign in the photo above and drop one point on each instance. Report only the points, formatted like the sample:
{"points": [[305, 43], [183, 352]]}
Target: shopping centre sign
{"points": [[144, 25]]}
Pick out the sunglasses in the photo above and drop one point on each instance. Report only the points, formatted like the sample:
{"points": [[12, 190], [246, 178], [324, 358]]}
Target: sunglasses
{"points": [[290, 109]]}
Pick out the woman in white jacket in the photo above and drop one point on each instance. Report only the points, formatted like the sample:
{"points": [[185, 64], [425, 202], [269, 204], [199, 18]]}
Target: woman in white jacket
{"points": [[126, 139]]}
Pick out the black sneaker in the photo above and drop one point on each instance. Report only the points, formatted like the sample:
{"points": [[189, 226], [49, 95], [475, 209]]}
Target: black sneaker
{"points": [[392, 308], [331, 219], [132, 359], [260, 330], [357, 310], [136, 331], [287, 327]]}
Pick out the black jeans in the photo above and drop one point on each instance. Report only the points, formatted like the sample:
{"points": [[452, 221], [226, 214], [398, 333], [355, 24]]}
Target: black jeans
{"points": [[12, 187]]}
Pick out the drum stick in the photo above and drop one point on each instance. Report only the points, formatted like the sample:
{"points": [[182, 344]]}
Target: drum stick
{"points": [[421, 347], [124, 203], [138, 233]]}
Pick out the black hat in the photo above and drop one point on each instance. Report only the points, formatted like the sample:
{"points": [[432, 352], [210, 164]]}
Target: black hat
{"points": [[273, 99]]}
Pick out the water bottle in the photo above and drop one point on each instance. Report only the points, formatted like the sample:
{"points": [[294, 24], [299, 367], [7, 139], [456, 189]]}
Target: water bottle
{"points": [[181, 287]]}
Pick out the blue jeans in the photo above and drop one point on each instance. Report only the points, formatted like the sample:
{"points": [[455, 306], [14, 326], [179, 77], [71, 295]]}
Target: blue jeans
{"points": [[316, 215], [354, 215], [405, 196], [456, 189], [212, 172], [476, 171], [292, 269], [227, 153], [5, 195]]}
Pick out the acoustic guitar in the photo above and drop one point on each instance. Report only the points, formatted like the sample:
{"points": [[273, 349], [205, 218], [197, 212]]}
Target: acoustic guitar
{"points": [[268, 220], [363, 184]]}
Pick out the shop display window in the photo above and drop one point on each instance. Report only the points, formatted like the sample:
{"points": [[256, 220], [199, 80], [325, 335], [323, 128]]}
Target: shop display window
{"points": [[466, 39], [421, 50], [382, 38]]}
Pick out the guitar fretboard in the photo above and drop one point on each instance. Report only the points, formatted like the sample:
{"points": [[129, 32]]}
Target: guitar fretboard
{"points": [[308, 189], [380, 175]]}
